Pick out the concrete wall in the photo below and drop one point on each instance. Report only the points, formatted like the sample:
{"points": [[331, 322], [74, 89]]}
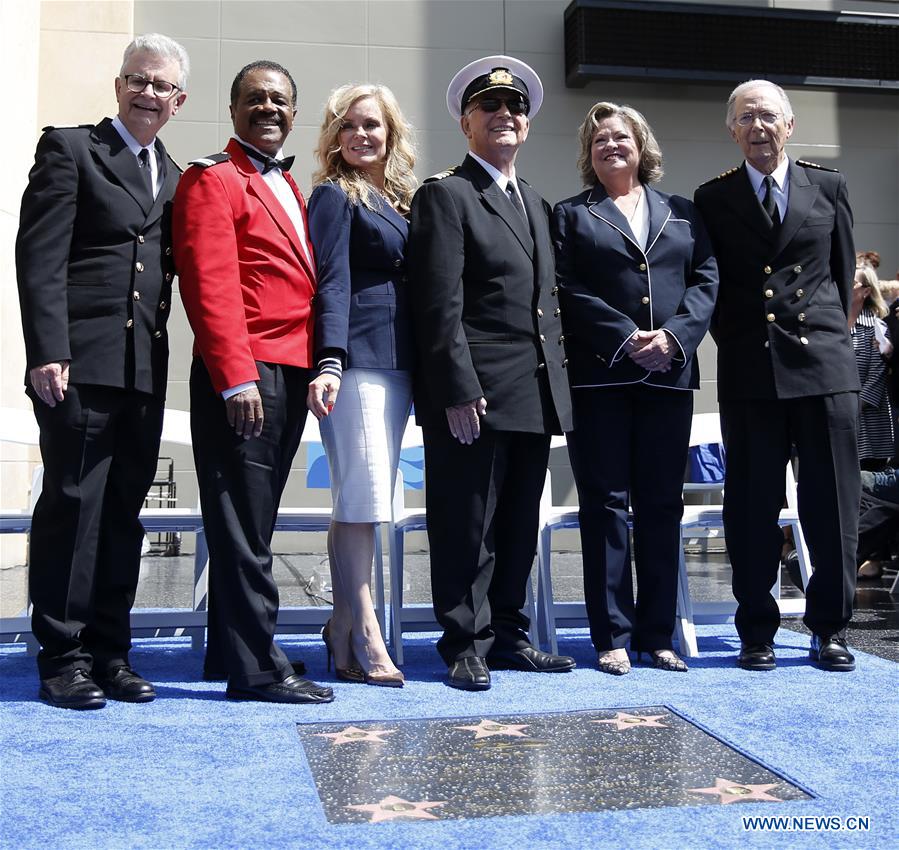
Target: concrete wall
{"points": [[60, 59], [415, 46]]}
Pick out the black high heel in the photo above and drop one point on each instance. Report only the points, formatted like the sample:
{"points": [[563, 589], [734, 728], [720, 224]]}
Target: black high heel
{"points": [[607, 663], [665, 659], [345, 674]]}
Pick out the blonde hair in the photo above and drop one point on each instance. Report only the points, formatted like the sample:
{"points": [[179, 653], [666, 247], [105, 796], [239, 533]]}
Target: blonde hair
{"points": [[650, 169], [399, 181], [866, 275]]}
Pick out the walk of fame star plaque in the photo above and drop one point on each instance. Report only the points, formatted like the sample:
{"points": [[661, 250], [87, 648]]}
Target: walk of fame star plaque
{"points": [[583, 761]]}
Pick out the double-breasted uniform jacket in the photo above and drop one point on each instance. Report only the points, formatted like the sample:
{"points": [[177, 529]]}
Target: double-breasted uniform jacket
{"points": [[610, 287], [246, 288], [485, 304], [781, 318], [93, 260], [362, 309]]}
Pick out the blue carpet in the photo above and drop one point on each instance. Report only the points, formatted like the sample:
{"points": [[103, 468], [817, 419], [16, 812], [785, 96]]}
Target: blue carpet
{"points": [[193, 770]]}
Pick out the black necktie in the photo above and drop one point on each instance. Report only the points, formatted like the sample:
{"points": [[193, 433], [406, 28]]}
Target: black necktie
{"points": [[516, 201], [268, 162], [143, 161], [770, 204]]}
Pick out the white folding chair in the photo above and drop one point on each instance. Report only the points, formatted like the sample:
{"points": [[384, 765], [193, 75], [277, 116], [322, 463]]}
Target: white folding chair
{"points": [[707, 430]]}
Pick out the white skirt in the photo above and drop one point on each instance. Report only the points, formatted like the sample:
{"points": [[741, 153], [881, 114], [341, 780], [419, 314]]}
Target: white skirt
{"points": [[362, 437]]}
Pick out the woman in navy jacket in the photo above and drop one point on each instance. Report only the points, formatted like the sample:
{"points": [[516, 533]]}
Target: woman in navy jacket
{"points": [[637, 288], [363, 349]]}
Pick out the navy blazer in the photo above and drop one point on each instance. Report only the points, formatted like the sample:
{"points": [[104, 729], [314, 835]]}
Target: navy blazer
{"points": [[94, 260], [610, 287], [781, 318], [362, 302]]}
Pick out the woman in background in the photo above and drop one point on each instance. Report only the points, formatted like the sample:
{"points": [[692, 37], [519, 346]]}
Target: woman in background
{"points": [[873, 348], [363, 349], [637, 285]]}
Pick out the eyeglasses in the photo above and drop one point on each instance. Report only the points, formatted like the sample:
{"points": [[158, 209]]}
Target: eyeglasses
{"points": [[517, 106], [161, 88], [765, 116]]}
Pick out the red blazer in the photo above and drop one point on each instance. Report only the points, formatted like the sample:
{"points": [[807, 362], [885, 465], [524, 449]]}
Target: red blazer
{"points": [[245, 280]]}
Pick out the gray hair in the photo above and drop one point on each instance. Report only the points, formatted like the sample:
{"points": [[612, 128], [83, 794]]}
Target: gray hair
{"points": [[741, 89], [163, 47]]}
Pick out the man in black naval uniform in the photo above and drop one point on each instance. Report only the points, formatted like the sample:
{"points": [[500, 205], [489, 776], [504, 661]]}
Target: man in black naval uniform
{"points": [[492, 386], [94, 268], [782, 233]]}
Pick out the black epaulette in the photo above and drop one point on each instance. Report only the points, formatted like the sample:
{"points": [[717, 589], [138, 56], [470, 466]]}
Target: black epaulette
{"points": [[721, 176], [212, 159], [67, 127], [449, 172], [806, 164]]}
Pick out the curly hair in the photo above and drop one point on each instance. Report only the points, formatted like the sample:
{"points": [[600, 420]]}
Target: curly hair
{"points": [[650, 168], [399, 181]]}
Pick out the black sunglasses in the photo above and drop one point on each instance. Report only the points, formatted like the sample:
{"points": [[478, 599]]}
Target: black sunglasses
{"points": [[517, 106]]}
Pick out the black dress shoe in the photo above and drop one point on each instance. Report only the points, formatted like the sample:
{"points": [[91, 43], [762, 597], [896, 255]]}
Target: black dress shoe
{"points": [[831, 653], [292, 690], [756, 656], [218, 676], [72, 689], [469, 674], [530, 660], [123, 684]]}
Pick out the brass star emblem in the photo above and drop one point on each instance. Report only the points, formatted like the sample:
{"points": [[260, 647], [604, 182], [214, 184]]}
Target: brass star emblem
{"points": [[490, 728], [729, 791], [354, 735], [393, 807], [623, 720]]}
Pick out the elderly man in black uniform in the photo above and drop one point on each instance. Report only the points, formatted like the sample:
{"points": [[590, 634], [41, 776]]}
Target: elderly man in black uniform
{"points": [[782, 233], [94, 267], [492, 386]]}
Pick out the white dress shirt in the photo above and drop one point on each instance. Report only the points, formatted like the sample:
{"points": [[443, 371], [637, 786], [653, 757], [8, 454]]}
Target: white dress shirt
{"points": [[781, 187], [136, 147], [500, 179]]}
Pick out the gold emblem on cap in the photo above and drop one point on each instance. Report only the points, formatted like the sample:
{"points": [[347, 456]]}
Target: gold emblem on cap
{"points": [[500, 77]]}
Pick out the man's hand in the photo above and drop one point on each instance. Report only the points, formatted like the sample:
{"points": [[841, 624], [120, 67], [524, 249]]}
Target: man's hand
{"points": [[322, 394], [50, 381], [244, 411], [651, 350], [465, 420]]}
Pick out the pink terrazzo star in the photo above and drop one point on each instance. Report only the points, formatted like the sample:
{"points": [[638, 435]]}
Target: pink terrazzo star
{"points": [[729, 791], [353, 735], [623, 720], [490, 728], [392, 807]]}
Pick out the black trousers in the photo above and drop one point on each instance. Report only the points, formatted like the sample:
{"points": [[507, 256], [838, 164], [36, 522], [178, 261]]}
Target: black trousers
{"points": [[629, 448], [99, 448], [483, 503], [241, 482], [758, 435]]}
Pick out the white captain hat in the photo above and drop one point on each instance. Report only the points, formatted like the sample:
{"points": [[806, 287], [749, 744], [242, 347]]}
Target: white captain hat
{"points": [[494, 72]]}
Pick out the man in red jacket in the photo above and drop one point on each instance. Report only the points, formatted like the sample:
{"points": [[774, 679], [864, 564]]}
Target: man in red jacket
{"points": [[247, 277]]}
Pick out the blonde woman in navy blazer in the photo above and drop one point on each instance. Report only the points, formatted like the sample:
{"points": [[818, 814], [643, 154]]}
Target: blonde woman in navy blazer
{"points": [[637, 288], [363, 349]]}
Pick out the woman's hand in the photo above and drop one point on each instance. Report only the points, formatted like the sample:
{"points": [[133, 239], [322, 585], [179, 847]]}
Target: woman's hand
{"points": [[651, 350], [322, 394]]}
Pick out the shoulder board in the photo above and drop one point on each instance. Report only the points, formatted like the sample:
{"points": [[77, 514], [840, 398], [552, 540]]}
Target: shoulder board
{"points": [[721, 176], [806, 164], [449, 172], [212, 159], [50, 127]]}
